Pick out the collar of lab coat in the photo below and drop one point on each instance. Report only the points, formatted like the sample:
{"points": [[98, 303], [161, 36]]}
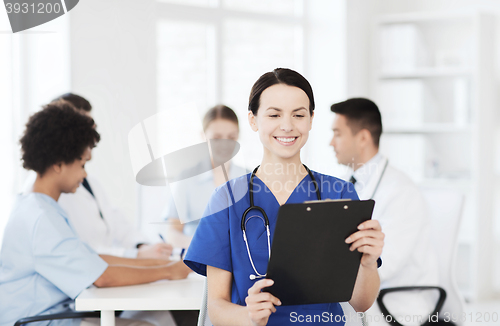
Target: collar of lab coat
{"points": [[367, 176], [92, 182]]}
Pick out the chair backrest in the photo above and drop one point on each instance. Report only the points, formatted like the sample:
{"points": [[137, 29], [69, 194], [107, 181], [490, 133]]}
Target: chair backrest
{"points": [[351, 316], [445, 209], [203, 319]]}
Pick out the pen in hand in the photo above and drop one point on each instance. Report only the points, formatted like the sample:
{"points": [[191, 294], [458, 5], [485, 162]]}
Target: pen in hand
{"points": [[161, 237], [182, 251]]}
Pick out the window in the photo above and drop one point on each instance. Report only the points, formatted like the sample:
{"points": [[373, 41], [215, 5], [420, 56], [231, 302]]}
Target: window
{"points": [[7, 148], [34, 68], [281, 7], [183, 61], [213, 53]]}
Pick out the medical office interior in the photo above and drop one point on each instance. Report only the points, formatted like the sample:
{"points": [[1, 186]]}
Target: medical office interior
{"points": [[432, 66]]}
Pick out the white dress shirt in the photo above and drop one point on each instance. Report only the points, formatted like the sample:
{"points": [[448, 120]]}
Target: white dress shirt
{"points": [[408, 258]]}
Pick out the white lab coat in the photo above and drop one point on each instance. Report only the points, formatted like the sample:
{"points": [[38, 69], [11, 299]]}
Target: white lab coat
{"points": [[408, 258], [113, 235]]}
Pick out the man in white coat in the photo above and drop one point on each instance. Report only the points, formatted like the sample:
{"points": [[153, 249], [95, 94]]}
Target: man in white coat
{"points": [[408, 258]]}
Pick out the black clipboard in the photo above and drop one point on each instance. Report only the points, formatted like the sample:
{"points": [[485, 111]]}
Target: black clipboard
{"points": [[310, 261]]}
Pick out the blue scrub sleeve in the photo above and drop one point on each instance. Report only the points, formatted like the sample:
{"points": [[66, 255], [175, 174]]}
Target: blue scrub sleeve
{"points": [[62, 258], [211, 243]]}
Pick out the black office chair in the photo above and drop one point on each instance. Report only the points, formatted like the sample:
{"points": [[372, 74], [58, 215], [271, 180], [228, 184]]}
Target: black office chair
{"points": [[65, 315], [390, 318]]}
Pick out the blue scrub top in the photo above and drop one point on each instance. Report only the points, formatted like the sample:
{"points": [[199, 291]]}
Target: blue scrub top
{"points": [[43, 263], [218, 241]]}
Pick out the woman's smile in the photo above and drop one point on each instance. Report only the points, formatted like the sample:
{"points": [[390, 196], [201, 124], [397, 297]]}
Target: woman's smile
{"points": [[286, 141]]}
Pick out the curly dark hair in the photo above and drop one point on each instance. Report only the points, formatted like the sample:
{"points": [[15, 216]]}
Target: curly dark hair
{"points": [[78, 101], [56, 134]]}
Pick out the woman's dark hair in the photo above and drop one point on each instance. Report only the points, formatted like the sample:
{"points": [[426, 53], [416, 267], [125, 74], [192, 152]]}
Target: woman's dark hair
{"points": [[219, 112], [78, 102], [57, 134], [279, 76], [361, 113]]}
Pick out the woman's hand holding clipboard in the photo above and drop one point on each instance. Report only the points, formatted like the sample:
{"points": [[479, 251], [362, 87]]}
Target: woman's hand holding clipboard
{"points": [[369, 240], [261, 305]]}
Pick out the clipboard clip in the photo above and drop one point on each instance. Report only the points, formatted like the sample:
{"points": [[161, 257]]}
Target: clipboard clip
{"points": [[327, 200]]}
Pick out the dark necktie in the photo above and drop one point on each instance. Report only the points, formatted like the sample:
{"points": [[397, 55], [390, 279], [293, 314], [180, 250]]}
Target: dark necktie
{"points": [[86, 185], [352, 180]]}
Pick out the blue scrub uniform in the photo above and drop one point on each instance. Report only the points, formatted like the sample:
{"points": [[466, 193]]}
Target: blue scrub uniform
{"points": [[218, 241], [43, 263]]}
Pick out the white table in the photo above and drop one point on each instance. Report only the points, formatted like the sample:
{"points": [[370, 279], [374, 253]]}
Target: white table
{"points": [[162, 295]]}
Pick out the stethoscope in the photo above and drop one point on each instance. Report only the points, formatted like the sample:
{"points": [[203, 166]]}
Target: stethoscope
{"points": [[380, 179], [265, 219]]}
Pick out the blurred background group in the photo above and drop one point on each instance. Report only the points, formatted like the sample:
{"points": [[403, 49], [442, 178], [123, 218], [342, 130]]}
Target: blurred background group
{"points": [[432, 66]]}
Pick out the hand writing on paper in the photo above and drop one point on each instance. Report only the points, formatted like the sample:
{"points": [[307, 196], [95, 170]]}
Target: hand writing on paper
{"points": [[156, 251]]}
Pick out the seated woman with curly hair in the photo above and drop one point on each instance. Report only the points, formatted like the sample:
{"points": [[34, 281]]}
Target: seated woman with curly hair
{"points": [[43, 263]]}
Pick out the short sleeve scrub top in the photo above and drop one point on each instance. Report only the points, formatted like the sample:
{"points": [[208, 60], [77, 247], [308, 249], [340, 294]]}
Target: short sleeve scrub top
{"points": [[218, 241]]}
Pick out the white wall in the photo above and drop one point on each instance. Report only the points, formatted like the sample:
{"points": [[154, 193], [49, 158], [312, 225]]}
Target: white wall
{"points": [[113, 59], [326, 71], [34, 69], [360, 15]]}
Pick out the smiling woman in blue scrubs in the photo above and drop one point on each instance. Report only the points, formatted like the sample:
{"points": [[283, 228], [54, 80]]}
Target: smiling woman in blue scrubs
{"points": [[281, 110]]}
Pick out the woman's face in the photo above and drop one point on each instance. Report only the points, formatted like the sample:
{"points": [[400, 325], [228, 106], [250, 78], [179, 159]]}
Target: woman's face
{"points": [[222, 129], [283, 120], [223, 135], [72, 174]]}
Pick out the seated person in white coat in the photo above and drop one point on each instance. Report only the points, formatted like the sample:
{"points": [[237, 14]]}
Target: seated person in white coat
{"points": [[408, 257], [192, 196], [98, 223], [44, 265]]}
